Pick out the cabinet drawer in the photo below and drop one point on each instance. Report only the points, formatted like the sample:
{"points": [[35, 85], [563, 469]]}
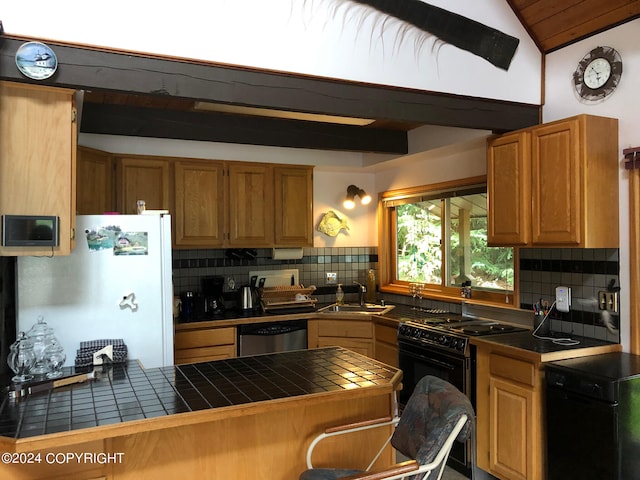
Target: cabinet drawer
{"points": [[204, 354], [386, 334], [205, 337], [345, 328], [512, 369], [358, 345]]}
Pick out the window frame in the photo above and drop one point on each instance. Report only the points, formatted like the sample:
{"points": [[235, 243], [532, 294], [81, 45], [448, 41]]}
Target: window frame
{"points": [[387, 228]]}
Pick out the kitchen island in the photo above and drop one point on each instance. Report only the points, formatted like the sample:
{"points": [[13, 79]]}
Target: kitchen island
{"points": [[247, 417]]}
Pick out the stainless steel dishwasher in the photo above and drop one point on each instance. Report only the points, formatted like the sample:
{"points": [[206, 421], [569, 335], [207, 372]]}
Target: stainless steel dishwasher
{"points": [[272, 337]]}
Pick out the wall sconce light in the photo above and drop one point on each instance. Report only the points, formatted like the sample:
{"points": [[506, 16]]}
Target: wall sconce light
{"points": [[352, 193]]}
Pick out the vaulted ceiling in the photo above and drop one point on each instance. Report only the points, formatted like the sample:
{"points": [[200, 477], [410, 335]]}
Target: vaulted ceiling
{"points": [[553, 24], [126, 95]]}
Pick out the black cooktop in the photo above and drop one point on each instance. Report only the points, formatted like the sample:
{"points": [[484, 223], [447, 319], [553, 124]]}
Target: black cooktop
{"points": [[479, 328]]}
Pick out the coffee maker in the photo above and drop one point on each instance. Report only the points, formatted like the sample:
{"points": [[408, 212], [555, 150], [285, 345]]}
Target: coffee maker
{"points": [[212, 288]]}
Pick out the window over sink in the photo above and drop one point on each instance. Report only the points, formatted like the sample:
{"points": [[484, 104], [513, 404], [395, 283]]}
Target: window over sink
{"points": [[437, 235]]}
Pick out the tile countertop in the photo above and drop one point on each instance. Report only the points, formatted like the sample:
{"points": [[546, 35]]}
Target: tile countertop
{"points": [[399, 313], [129, 393], [547, 349]]}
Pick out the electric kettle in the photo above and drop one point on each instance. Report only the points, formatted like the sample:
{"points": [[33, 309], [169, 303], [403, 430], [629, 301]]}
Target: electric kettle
{"points": [[248, 298]]}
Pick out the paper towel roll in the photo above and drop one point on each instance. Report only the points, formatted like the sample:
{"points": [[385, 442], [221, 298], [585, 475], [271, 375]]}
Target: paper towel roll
{"points": [[287, 253]]}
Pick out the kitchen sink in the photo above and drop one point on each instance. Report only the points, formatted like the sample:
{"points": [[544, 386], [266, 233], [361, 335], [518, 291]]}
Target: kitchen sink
{"points": [[367, 308]]}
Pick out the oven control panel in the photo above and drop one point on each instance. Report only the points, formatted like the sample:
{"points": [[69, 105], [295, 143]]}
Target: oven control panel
{"points": [[417, 333]]}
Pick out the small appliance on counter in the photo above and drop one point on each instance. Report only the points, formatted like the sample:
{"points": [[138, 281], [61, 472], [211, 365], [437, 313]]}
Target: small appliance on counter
{"points": [[212, 291], [248, 300]]}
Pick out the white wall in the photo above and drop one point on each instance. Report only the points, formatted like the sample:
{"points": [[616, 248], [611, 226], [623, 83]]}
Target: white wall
{"points": [[451, 162], [327, 38], [624, 104], [330, 188]]}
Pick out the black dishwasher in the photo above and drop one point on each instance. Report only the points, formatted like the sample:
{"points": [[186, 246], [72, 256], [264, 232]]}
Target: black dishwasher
{"points": [[593, 417]]}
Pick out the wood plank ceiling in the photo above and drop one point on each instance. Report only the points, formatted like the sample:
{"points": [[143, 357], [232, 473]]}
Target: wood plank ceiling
{"points": [[553, 24]]}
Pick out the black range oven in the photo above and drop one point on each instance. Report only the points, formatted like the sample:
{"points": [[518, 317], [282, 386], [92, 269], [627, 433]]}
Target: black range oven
{"points": [[439, 345]]}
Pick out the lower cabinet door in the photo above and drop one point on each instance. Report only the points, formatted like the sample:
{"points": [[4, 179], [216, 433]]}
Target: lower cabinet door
{"points": [[510, 429]]}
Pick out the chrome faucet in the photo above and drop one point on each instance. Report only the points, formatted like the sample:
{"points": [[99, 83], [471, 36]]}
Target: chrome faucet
{"points": [[363, 290]]}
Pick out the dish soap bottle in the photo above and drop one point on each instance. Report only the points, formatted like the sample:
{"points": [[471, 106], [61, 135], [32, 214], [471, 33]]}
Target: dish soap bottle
{"points": [[370, 296], [339, 295]]}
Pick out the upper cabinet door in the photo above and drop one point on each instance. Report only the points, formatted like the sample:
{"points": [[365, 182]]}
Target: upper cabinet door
{"points": [[509, 189], [556, 183], [142, 179], [38, 159], [94, 185], [293, 206], [250, 204], [200, 197]]}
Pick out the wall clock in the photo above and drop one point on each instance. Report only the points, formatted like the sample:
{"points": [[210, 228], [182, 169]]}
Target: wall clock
{"points": [[598, 73]]}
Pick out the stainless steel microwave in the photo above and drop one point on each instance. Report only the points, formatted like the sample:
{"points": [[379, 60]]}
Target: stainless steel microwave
{"points": [[30, 231]]}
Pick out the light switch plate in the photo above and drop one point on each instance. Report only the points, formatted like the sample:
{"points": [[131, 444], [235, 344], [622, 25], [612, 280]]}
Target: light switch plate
{"points": [[563, 299]]}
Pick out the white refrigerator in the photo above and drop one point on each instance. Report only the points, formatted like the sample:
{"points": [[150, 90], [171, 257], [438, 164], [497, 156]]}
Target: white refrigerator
{"points": [[117, 283]]}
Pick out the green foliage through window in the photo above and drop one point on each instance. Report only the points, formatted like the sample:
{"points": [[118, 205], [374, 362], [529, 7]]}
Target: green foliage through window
{"points": [[460, 218]]}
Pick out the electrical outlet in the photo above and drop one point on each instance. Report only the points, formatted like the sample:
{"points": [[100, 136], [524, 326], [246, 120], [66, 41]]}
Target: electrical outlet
{"points": [[563, 299], [332, 278], [608, 301]]}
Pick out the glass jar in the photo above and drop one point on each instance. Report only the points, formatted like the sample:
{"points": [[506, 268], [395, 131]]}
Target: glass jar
{"points": [[41, 335], [21, 358], [54, 358]]}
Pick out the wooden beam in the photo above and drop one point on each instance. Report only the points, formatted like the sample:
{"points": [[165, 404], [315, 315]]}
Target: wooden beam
{"points": [[93, 69], [218, 127], [634, 258]]}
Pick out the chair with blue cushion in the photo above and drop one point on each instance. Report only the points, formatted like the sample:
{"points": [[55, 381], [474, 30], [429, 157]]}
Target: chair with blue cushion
{"points": [[436, 415]]}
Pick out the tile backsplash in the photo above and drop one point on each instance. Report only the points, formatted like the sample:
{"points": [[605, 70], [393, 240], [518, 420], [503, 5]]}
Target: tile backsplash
{"points": [[350, 263], [586, 271], [541, 270]]}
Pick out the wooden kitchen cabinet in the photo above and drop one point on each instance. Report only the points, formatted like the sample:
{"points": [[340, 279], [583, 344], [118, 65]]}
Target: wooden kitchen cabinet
{"points": [[200, 193], [509, 189], [555, 185], [293, 206], [386, 342], [94, 185], [204, 344], [38, 159], [213, 203], [142, 178], [356, 335], [510, 441], [251, 206]]}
